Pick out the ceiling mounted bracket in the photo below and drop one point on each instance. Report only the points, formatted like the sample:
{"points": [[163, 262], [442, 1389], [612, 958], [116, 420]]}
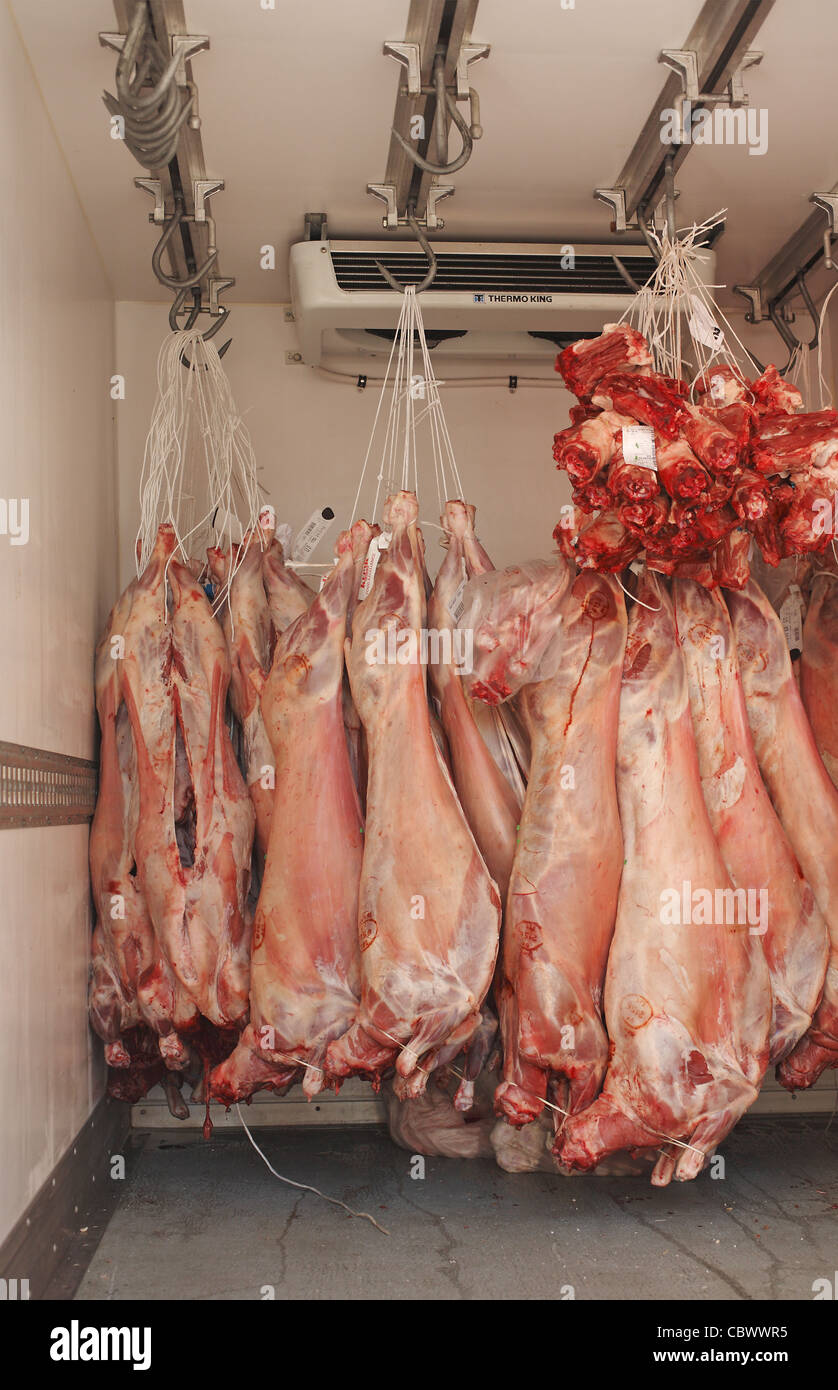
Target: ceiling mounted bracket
{"points": [[201, 190], [409, 54], [615, 199], [430, 220], [753, 294], [155, 188], [184, 47], [469, 53], [684, 63], [829, 203], [217, 284]]}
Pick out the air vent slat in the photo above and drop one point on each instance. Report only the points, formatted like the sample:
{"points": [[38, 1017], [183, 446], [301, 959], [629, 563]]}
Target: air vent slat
{"points": [[501, 274]]}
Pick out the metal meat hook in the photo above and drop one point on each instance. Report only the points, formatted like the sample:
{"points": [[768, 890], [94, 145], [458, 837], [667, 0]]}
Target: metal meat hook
{"points": [[791, 341], [469, 134], [177, 308], [426, 247], [170, 281]]}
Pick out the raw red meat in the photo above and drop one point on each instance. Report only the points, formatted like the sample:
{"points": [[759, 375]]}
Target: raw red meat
{"points": [[796, 443], [429, 911], [512, 613], [721, 386], [750, 498], [585, 449], [819, 667], [288, 595], [631, 482], [648, 399], [687, 1005], [772, 393], [247, 628], [781, 907], [605, 544], [491, 807], [194, 879], [563, 894], [803, 795], [709, 440], [585, 362], [305, 963], [680, 471], [645, 519]]}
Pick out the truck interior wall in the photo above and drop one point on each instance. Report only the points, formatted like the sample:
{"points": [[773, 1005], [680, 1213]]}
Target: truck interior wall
{"points": [[56, 353], [310, 433]]}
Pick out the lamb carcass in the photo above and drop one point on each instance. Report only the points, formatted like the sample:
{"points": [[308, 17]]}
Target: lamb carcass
{"points": [[247, 628], [754, 845], [305, 965], [429, 910], [804, 798], [687, 1004], [174, 682], [131, 981], [491, 806], [819, 667], [563, 894]]}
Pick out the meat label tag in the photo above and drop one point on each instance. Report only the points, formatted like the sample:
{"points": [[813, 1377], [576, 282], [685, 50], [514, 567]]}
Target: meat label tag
{"points": [[639, 446], [702, 325], [457, 604], [376, 545], [791, 616]]}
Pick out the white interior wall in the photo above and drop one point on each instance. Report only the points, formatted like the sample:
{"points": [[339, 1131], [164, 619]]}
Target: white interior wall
{"points": [[56, 349]]}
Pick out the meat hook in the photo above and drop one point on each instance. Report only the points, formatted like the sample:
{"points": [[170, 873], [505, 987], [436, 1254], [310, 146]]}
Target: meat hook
{"points": [[791, 341], [178, 307], [469, 134], [170, 281], [426, 247]]}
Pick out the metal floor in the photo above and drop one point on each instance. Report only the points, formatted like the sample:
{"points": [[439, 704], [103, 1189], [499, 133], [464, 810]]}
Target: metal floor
{"points": [[208, 1221]]}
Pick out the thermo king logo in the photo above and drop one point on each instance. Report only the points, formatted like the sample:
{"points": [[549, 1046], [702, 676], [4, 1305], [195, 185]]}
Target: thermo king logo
{"points": [[512, 298]]}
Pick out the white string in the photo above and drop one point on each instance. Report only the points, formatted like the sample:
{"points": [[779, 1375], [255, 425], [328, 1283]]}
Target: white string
{"points": [[411, 379], [198, 455], [305, 1186]]}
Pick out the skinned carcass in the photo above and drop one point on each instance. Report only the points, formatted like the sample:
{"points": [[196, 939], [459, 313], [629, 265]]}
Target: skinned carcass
{"points": [[804, 798], [754, 846], [305, 967], [429, 910], [687, 1002], [563, 893]]}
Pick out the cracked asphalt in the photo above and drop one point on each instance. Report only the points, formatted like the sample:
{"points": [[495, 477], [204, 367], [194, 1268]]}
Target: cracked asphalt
{"points": [[209, 1221]]}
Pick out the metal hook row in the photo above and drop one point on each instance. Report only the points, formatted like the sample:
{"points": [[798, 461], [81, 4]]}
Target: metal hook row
{"points": [[152, 116]]}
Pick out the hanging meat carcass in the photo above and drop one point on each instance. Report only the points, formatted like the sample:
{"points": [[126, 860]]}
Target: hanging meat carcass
{"points": [[247, 628], [754, 846], [563, 894], [491, 806], [305, 964], [429, 910], [687, 1003], [819, 666], [195, 825], [131, 984], [804, 798]]}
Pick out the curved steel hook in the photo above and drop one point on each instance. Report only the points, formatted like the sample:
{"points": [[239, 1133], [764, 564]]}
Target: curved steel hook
{"points": [[791, 341], [177, 308], [426, 247], [222, 316], [443, 99], [647, 236], [170, 281]]}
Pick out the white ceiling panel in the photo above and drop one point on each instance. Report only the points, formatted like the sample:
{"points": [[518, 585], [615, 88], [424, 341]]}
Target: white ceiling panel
{"points": [[296, 105]]}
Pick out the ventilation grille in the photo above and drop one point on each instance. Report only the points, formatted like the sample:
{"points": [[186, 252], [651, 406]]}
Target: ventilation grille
{"points": [[500, 274], [41, 788]]}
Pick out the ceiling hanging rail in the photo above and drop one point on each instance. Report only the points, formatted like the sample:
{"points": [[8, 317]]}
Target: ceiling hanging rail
{"points": [[436, 55], [706, 72], [157, 102]]}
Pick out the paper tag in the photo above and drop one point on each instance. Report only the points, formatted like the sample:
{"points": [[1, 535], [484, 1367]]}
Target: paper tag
{"points": [[376, 545], [717, 389], [702, 325], [457, 604], [791, 616], [639, 446], [312, 533]]}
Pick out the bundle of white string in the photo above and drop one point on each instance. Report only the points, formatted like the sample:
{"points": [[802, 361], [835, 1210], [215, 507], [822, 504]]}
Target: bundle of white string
{"points": [[199, 469]]}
